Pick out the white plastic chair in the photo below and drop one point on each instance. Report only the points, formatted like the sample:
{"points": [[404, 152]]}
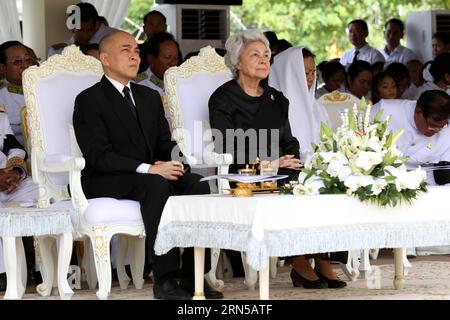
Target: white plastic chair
{"points": [[50, 91]]}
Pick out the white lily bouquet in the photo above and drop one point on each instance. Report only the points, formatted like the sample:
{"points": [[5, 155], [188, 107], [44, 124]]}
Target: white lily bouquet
{"points": [[359, 159]]}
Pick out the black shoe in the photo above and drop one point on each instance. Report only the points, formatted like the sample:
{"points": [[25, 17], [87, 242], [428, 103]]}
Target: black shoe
{"points": [[340, 256], [299, 281], [3, 281], [332, 283], [170, 290], [34, 277], [210, 293], [147, 270]]}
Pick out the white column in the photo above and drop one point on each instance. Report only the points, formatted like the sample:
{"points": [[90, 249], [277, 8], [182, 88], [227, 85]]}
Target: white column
{"points": [[44, 24]]}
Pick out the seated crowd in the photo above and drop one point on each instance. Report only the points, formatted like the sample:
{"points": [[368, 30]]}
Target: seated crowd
{"points": [[274, 85]]}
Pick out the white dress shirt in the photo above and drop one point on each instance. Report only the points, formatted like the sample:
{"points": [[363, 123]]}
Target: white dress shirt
{"points": [[96, 38], [366, 53], [144, 167], [399, 54]]}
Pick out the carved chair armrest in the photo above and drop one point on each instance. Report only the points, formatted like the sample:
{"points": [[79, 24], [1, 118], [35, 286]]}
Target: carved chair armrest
{"points": [[72, 165]]}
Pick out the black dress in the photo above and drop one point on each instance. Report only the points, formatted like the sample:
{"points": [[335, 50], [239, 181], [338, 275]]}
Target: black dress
{"points": [[259, 119], [231, 108]]}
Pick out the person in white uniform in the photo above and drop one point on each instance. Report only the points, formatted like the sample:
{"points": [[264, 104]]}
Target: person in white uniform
{"points": [[162, 53], [15, 186], [393, 51], [426, 139], [14, 59], [293, 72], [91, 30], [357, 34]]}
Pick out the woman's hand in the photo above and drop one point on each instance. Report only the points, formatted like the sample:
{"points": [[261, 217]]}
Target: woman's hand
{"points": [[289, 161]]}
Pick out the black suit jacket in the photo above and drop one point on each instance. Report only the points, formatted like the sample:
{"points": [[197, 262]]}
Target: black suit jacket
{"points": [[111, 138]]}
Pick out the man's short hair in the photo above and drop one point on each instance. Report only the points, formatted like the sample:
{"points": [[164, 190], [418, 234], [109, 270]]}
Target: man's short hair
{"points": [[90, 46], [361, 22], [396, 21], [88, 12], [6, 45], [272, 37], [444, 37], [434, 104], [154, 12], [440, 66], [155, 41]]}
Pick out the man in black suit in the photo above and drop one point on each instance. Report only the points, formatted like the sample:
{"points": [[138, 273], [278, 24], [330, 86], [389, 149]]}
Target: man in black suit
{"points": [[126, 141]]}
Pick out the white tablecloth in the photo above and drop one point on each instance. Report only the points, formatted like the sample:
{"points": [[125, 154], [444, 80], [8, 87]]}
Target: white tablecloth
{"points": [[285, 225], [20, 222]]}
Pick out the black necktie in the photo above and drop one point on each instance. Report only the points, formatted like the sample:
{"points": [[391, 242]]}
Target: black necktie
{"points": [[355, 57], [126, 92]]}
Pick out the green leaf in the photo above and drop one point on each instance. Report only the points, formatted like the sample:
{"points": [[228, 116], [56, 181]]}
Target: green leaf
{"points": [[378, 116]]}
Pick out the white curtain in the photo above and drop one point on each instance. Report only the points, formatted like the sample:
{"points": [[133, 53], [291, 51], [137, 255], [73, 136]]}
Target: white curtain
{"points": [[9, 21], [113, 10]]}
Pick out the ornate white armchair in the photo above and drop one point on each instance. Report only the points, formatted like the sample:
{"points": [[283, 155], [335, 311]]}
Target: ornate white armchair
{"points": [[335, 103], [56, 161], [188, 88]]}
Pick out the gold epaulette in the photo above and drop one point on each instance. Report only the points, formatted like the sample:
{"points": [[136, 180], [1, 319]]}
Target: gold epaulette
{"points": [[17, 162], [15, 89], [140, 77], [156, 81], [2, 109]]}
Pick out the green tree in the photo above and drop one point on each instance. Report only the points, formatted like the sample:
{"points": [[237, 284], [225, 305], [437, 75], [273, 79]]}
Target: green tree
{"points": [[136, 12], [321, 25]]}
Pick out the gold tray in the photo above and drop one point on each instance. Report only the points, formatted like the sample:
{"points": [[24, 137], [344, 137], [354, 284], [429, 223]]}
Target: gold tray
{"points": [[247, 192]]}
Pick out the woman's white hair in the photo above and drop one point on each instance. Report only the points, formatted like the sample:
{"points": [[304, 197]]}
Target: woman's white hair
{"points": [[237, 43]]}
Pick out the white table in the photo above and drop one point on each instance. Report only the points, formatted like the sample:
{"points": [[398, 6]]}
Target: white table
{"points": [[275, 225], [16, 223]]}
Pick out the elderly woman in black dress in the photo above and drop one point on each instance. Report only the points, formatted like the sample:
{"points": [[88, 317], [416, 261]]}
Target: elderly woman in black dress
{"points": [[252, 119]]}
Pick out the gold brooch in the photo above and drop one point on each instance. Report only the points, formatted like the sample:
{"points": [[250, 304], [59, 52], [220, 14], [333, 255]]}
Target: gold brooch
{"points": [[430, 146], [272, 97]]}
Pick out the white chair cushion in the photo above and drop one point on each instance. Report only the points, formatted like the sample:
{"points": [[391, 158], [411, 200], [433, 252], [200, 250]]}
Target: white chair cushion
{"points": [[106, 212]]}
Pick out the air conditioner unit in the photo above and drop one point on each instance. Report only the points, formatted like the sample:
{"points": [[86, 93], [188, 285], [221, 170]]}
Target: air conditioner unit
{"points": [[420, 27], [196, 26]]}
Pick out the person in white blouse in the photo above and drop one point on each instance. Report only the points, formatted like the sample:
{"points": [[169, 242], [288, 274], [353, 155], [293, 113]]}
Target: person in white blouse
{"points": [[293, 72], [393, 51], [440, 72], [359, 79], [357, 34], [333, 76]]}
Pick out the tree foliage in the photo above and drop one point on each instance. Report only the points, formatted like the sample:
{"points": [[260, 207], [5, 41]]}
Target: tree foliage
{"points": [[136, 12], [321, 25]]}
